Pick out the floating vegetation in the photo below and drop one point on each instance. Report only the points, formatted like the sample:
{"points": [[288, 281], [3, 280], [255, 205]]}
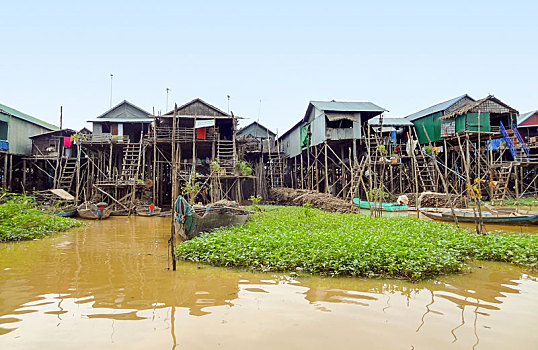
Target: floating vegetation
{"points": [[286, 239], [20, 219]]}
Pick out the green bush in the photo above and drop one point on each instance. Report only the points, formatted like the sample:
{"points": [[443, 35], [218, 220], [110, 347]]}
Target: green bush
{"points": [[285, 239]]}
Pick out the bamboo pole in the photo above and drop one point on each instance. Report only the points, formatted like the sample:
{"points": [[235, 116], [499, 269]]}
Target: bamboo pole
{"points": [[326, 170]]}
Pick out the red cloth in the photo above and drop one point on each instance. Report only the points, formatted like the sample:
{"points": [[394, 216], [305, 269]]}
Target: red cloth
{"points": [[67, 141], [200, 133]]}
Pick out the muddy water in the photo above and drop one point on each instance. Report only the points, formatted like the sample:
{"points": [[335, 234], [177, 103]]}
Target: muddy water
{"points": [[106, 286]]}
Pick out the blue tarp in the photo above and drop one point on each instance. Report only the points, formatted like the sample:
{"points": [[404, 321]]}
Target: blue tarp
{"points": [[495, 143]]}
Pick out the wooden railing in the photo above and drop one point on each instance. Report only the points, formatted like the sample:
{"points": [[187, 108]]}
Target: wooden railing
{"points": [[105, 138], [164, 134]]}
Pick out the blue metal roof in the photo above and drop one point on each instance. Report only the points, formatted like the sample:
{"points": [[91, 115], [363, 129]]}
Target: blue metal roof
{"points": [[435, 108], [338, 106], [525, 116]]}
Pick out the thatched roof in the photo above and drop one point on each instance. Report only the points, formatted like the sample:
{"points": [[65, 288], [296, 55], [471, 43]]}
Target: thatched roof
{"points": [[489, 104]]}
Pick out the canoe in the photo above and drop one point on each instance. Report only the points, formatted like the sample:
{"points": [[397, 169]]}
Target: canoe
{"points": [[382, 205], [92, 211], [67, 213], [145, 210], [487, 217]]}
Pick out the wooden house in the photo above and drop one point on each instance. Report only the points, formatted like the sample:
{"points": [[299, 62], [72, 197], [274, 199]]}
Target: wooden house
{"points": [[255, 137], [326, 121], [320, 150], [124, 122], [429, 118], [486, 115], [53, 144], [54, 154], [527, 125]]}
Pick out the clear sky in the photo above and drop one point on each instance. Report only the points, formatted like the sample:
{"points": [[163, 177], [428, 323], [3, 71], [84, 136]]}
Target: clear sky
{"points": [[401, 55]]}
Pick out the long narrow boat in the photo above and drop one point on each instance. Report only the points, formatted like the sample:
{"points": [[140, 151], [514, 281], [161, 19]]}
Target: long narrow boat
{"points": [[67, 213], [488, 218], [147, 210], [99, 211], [384, 206]]}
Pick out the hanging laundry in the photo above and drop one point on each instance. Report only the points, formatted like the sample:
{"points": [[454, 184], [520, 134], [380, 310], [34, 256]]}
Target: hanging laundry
{"points": [[67, 141], [201, 133]]}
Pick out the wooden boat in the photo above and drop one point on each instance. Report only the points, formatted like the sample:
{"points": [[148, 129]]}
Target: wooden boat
{"points": [[99, 211], [384, 206], [190, 222], [147, 210], [487, 217]]}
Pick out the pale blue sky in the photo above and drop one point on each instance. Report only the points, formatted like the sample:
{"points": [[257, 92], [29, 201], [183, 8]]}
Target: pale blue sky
{"points": [[402, 55]]}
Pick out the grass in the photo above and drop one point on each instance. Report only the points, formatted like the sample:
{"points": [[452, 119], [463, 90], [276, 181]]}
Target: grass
{"points": [[20, 219], [313, 241]]}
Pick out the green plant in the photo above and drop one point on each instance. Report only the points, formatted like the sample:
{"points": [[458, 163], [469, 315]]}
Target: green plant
{"points": [[255, 201], [306, 209], [215, 165], [20, 219], [190, 189], [377, 193], [243, 168]]}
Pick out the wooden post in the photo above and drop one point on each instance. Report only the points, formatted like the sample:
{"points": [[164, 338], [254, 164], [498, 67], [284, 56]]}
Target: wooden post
{"points": [[174, 190], [110, 172], [302, 171], [24, 175], [154, 155], [78, 173], [10, 184]]}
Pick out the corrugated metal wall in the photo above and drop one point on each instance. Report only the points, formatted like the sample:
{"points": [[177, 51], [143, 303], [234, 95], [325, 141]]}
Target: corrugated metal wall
{"points": [[18, 135]]}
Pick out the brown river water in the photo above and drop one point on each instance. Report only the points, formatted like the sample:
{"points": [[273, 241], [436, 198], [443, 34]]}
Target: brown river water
{"points": [[106, 285]]}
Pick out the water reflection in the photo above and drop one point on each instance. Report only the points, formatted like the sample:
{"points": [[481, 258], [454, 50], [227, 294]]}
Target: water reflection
{"points": [[110, 277]]}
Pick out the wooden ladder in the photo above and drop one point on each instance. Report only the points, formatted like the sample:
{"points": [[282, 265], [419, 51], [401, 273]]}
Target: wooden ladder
{"points": [[425, 178], [131, 161], [225, 153], [68, 173], [499, 191]]}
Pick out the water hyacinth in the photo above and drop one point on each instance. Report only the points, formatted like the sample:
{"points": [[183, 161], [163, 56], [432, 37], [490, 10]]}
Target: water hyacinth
{"points": [[21, 220], [284, 239]]}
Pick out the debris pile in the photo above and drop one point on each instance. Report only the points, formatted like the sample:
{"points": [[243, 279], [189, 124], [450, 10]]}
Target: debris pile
{"points": [[437, 200], [324, 201]]}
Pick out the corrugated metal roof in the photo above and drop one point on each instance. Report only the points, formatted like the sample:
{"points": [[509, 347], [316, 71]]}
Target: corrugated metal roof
{"points": [[436, 108], [124, 102], [338, 106], [121, 120], [272, 134], [390, 121], [18, 114], [525, 116]]}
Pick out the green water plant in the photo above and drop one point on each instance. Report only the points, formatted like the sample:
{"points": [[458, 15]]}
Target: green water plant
{"points": [[20, 219], [285, 239], [255, 202]]}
